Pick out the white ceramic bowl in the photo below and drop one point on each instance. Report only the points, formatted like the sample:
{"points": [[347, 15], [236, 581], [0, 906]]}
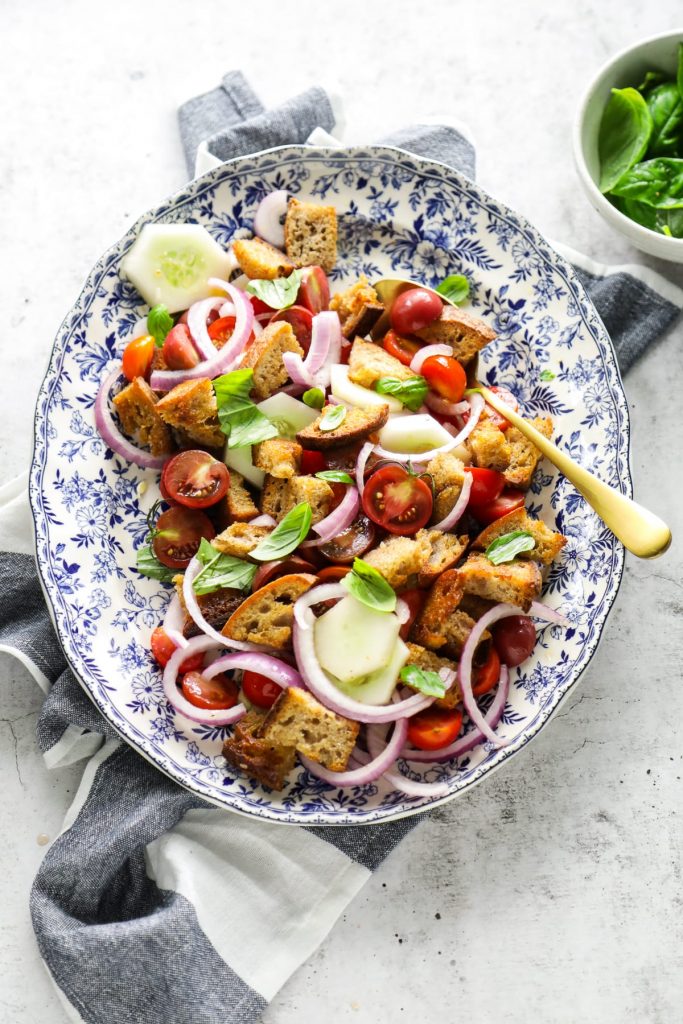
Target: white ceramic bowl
{"points": [[626, 68]]}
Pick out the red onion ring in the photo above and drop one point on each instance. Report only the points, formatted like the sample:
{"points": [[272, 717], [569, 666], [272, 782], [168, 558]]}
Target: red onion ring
{"points": [[268, 218], [476, 403], [323, 592], [262, 520], [542, 611], [444, 408], [500, 611], [361, 462], [395, 778], [195, 613], [112, 436], [197, 316], [296, 369], [180, 703], [227, 309], [450, 520], [338, 520], [325, 333], [369, 772], [173, 622], [272, 668], [426, 352]]}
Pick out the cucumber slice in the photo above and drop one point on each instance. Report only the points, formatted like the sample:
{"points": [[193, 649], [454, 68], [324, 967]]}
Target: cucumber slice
{"points": [[172, 263], [378, 687], [353, 394], [410, 435], [352, 640], [240, 460], [288, 414]]}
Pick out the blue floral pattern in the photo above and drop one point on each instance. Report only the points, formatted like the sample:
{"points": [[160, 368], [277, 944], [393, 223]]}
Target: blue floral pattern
{"points": [[398, 215]]}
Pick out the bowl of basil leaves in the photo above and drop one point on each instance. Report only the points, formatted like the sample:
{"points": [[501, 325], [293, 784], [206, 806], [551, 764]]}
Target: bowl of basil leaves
{"points": [[628, 144]]}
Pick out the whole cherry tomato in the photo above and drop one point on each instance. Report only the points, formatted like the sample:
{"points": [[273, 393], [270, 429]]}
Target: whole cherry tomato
{"points": [[414, 309]]}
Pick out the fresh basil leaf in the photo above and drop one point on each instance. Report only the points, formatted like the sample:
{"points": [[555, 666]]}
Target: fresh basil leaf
{"points": [[455, 287], [623, 137], [652, 78], [666, 109], [250, 427], [411, 391], [240, 419], [233, 390], [369, 587], [507, 547], [670, 222], [547, 375], [286, 536], [336, 476], [221, 571], [278, 294], [147, 564], [424, 680], [639, 212], [332, 417], [314, 398], [679, 74], [657, 182], [159, 323]]}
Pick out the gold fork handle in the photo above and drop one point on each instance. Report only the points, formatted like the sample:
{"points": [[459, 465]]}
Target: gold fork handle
{"points": [[638, 529]]}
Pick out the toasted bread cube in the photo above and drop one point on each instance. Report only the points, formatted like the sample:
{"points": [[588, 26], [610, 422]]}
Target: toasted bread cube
{"points": [[311, 234], [400, 559], [429, 628], [278, 456], [261, 261], [467, 334], [136, 406], [280, 496], [444, 502], [349, 302], [191, 408], [241, 505], [239, 539], [260, 759], [276, 499], [298, 719], [357, 425], [368, 362], [489, 446], [264, 355], [431, 662], [446, 470], [547, 543], [266, 616], [524, 455], [517, 582], [446, 551]]}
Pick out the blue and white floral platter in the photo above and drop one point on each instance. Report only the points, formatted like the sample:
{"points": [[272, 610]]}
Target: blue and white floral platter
{"points": [[399, 216]]}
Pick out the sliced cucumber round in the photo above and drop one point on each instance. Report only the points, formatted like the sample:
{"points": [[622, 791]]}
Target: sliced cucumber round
{"points": [[288, 414]]}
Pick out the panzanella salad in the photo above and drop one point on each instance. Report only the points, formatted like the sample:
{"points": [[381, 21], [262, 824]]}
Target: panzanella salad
{"points": [[342, 518]]}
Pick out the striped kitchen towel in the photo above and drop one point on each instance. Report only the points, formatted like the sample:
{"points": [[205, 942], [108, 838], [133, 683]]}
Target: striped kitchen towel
{"points": [[147, 886]]}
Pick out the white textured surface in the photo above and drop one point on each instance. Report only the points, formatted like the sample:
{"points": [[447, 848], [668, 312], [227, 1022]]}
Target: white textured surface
{"points": [[557, 882]]}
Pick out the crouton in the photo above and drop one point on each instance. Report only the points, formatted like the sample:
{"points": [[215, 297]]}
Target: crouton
{"points": [[517, 582], [278, 456], [400, 559], [216, 607], [191, 408], [351, 301], [266, 616], [429, 628], [357, 425], [280, 496], [444, 502], [368, 362], [547, 543], [298, 719], [136, 406], [311, 234], [361, 324], [446, 551], [489, 446], [264, 355], [446, 470], [431, 662], [467, 334], [241, 506], [261, 261], [475, 606], [260, 759], [524, 455], [240, 538]]}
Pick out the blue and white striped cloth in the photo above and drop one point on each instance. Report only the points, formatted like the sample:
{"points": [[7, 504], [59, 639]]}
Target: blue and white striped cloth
{"points": [[147, 886]]}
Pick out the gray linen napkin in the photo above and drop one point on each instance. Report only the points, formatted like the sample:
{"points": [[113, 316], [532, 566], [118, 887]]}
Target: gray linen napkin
{"points": [[126, 939]]}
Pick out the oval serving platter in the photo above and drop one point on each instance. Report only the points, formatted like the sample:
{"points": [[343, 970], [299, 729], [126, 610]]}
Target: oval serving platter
{"points": [[399, 216]]}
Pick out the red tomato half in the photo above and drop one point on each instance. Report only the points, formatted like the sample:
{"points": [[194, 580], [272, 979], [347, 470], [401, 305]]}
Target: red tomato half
{"points": [[163, 647], [487, 675], [178, 351], [399, 502], [435, 727], [177, 536], [445, 376], [509, 501], [415, 599], [333, 573], [514, 639], [260, 690], [403, 349], [137, 357], [314, 290], [269, 571], [259, 306], [300, 320], [414, 309], [509, 399], [195, 479], [217, 694], [487, 485], [312, 462]]}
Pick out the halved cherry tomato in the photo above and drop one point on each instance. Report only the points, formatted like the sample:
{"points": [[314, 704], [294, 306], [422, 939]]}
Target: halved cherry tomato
{"points": [[163, 647], [514, 639], [137, 357], [260, 306], [312, 462], [178, 351], [509, 501], [177, 535], [414, 309], [333, 573], [195, 479], [487, 675], [415, 599], [270, 571], [220, 331], [352, 543], [314, 290], [434, 727], [300, 320], [404, 349], [487, 484], [399, 502], [260, 690], [215, 694], [445, 376], [509, 399]]}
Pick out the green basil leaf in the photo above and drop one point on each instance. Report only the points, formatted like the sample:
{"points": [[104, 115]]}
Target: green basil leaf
{"points": [[679, 74], [159, 323], [286, 536], [623, 137], [278, 294], [336, 476], [369, 587], [250, 427], [424, 680], [547, 375], [507, 547], [332, 418], [240, 419], [666, 109], [314, 398], [652, 78], [639, 212], [455, 287], [670, 222], [411, 391], [657, 182], [221, 571], [148, 564]]}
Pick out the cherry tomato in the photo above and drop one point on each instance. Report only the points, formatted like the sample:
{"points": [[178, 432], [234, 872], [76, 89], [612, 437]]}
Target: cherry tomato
{"points": [[414, 309], [333, 573], [163, 647], [487, 675], [514, 638], [352, 543], [509, 399], [345, 353], [301, 321], [404, 349], [177, 536], [179, 353], [137, 357], [314, 290], [312, 462], [195, 479], [487, 484], [434, 727], [270, 571], [260, 306], [445, 376], [215, 694], [415, 599], [260, 690], [509, 501], [399, 502]]}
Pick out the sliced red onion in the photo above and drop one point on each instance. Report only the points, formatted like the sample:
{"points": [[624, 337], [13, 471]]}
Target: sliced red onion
{"points": [[369, 772], [444, 408], [269, 218], [272, 668], [197, 316], [323, 375], [361, 462], [426, 352], [296, 369], [323, 592], [500, 611], [395, 778], [195, 613], [262, 520], [223, 360], [325, 333], [112, 436], [180, 703], [450, 520], [139, 328], [476, 403], [227, 309], [257, 329], [173, 622], [338, 520], [542, 611], [402, 611]]}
